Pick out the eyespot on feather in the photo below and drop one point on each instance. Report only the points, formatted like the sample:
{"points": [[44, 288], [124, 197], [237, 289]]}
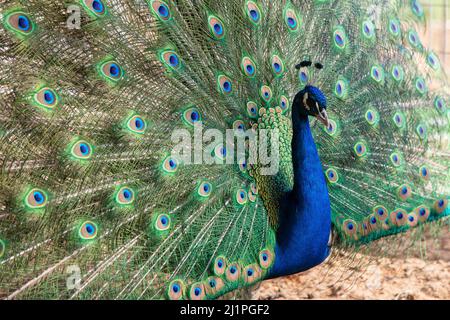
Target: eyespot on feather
{"points": [[191, 116], [422, 213], [440, 205], [95, 7], [88, 230], [266, 93], [176, 289], [399, 217], [204, 189], [81, 150], [220, 265], [162, 222], [350, 227], [233, 272], [404, 192], [394, 27], [248, 67], [170, 59], [266, 258], [339, 38], [170, 165], [253, 12], [216, 27], [36, 199], [19, 23], [213, 285], [381, 213], [112, 71], [224, 84], [197, 291], [397, 73], [412, 219], [331, 175], [292, 20], [251, 273], [125, 196], [161, 10], [46, 98], [252, 109], [137, 124], [241, 196], [277, 66], [284, 103]]}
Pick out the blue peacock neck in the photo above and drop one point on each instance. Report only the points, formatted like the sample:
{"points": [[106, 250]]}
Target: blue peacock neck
{"points": [[305, 215]]}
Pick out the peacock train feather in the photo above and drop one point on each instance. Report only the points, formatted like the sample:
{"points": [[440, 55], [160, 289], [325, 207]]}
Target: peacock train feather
{"points": [[92, 91]]}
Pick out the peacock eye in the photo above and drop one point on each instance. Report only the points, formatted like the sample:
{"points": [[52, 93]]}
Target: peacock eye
{"points": [[332, 175], [368, 29], [125, 196], [277, 66], [204, 189], [291, 19], [253, 12], [88, 230], [197, 292], [220, 152], [404, 192], [176, 290], [433, 61], [160, 10], [360, 149], [136, 124], [377, 73], [350, 227], [162, 222], [303, 76], [241, 196], [341, 89], [439, 104], [397, 73], [421, 131], [220, 265], [111, 71], [81, 150], [170, 165], [248, 67], [440, 205], [216, 27], [420, 85], [417, 8], [191, 116], [19, 23], [399, 119], [170, 59], [339, 37], [266, 93], [413, 38], [394, 27], [239, 126], [95, 6], [36, 198], [252, 109], [224, 84], [284, 103]]}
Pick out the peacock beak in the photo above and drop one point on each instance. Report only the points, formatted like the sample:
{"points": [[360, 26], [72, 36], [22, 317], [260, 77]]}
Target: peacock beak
{"points": [[322, 116]]}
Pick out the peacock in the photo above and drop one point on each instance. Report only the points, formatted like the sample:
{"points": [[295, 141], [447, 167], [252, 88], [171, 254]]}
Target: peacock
{"points": [[119, 177]]}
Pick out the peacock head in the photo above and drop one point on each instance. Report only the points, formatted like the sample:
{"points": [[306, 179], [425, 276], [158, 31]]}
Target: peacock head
{"points": [[311, 101]]}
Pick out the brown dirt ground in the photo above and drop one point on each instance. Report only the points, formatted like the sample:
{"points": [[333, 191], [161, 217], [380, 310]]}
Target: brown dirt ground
{"points": [[405, 276]]}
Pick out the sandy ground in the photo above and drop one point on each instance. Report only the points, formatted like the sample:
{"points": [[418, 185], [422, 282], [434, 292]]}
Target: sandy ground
{"points": [[405, 276]]}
